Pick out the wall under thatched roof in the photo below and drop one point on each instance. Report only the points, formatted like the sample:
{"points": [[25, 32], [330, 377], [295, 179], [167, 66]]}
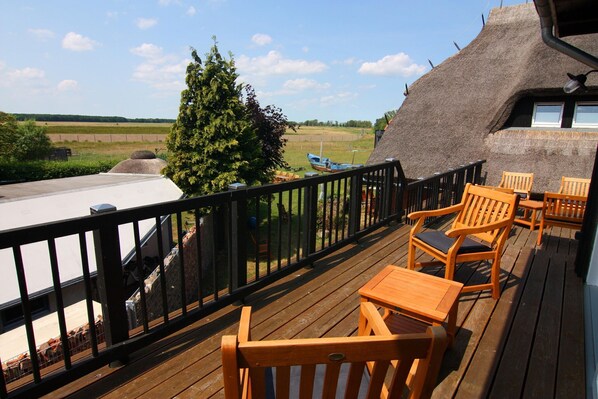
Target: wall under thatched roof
{"points": [[454, 113]]}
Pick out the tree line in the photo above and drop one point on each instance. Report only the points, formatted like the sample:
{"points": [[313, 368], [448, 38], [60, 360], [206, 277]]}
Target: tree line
{"points": [[350, 123], [87, 118]]}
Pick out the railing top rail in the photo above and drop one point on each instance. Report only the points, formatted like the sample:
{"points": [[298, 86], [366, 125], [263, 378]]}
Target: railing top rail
{"points": [[449, 172]]}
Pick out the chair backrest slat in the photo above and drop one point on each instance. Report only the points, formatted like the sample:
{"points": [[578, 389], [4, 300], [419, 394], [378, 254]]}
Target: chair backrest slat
{"points": [[483, 205], [521, 183], [574, 186]]}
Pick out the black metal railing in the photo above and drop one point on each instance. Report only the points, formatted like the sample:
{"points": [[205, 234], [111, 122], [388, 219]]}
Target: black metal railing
{"points": [[222, 248]]}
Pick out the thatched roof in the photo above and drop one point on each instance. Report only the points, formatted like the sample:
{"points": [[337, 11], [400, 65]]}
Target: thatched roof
{"points": [[453, 114], [141, 162]]}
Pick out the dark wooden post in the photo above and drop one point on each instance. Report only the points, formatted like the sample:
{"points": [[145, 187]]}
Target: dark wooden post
{"points": [[355, 204], [239, 235], [310, 203], [110, 281]]}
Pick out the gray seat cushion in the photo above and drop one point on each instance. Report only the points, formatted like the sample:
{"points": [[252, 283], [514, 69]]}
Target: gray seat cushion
{"points": [[441, 242]]}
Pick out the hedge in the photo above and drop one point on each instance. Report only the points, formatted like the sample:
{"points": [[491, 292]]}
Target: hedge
{"points": [[18, 172]]}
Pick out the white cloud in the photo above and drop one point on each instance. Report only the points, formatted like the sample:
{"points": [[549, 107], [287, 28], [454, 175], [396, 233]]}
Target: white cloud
{"points": [[168, 2], [42, 34], [261, 39], [67, 85], [392, 65], [26, 74], [162, 72], [275, 64], [304, 84], [338, 98], [191, 11], [76, 42], [147, 50], [145, 23]]}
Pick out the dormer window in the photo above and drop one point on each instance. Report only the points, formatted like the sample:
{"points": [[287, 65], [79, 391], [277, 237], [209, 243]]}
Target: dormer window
{"points": [[585, 115], [547, 114]]}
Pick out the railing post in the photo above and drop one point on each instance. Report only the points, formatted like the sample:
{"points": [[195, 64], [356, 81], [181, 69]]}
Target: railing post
{"points": [[388, 189], [239, 236], [355, 204], [310, 203], [110, 281]]}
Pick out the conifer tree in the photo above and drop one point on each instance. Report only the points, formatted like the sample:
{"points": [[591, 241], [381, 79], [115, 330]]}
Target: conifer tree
{"points": [[212, 143]]}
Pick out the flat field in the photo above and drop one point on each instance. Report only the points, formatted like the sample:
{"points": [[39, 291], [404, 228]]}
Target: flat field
{"points": [[346, 145]]}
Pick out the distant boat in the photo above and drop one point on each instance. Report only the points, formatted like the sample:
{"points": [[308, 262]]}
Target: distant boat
{"points": [[324, 164]]}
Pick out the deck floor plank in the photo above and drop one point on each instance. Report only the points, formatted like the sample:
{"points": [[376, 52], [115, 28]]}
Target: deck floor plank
{"points": [[494, 343], [510, 376]]}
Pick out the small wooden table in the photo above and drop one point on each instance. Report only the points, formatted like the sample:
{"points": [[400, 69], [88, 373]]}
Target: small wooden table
{"points": [[530, 220], [418, 295]]}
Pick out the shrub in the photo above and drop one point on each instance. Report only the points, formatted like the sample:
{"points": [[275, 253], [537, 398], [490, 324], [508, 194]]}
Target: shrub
{"points": [[11, 171]]}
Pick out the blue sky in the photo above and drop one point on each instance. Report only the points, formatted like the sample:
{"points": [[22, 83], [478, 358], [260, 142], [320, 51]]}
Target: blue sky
{"points": [[326, 60]]}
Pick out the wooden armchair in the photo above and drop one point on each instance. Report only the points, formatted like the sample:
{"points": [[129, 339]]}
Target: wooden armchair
{"points": [[574, 186], [521, 183], [482, 224], [562, 210], [325, 367]]}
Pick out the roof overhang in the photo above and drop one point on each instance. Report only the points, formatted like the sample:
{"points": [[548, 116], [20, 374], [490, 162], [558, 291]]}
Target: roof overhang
{"points": [[561, 18]]}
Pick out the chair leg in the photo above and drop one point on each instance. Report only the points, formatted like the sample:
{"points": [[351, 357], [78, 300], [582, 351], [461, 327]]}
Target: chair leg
{"points": [[495, 277], [411, 255], [540, 232]]}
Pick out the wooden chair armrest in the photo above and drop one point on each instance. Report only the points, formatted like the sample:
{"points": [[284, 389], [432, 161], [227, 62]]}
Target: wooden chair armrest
{"points": [[244, 324], [374, 321], [463, 231], [435, 212]]}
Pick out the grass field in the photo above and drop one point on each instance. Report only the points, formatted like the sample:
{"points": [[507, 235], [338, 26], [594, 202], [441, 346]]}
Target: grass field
{"points": [[356, 151]]}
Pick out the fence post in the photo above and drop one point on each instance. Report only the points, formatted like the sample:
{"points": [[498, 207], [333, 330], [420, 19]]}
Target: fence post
{"points": [[310, 203], [110, 281], [355, 204], [239, 235], [388, 189]]}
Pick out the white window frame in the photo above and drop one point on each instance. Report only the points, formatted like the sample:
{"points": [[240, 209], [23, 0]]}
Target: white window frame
{"points": [[548, 124], [583, 125]]}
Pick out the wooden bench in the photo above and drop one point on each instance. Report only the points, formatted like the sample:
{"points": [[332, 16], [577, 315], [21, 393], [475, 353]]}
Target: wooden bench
{"points": [[562, 210], [574, 186]]}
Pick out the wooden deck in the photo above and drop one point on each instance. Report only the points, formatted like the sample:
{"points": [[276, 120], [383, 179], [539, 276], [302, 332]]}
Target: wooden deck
{"points": [[529, 343]]}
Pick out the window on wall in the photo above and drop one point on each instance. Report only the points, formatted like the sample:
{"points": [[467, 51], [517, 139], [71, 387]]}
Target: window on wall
{"points": [[585, 115], [547, 114]]}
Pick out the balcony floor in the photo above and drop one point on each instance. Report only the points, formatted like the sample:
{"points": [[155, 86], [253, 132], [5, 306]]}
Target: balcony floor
{"points": [[528, 343]]}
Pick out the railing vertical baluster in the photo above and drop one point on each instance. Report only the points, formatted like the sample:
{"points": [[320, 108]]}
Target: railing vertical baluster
{"points": [[299, 222], [110, 281], [331, 217], [324, 213], [88, 294], [310, 207], [279, 232], [289, 226], [269, 234], [179, 229], [160, 242], [26, 306], [345, 213], [338, 208], [355, 204], [141, 275], [239, 235], [198, 236], [64, 339], [214, 216]]}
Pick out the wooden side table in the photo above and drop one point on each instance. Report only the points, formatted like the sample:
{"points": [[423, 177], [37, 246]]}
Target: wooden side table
{"points": [[417, 295], [530, 213]]}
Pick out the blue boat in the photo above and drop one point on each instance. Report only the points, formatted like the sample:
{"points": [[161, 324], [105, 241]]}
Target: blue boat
{"points": [[324, 164]]}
